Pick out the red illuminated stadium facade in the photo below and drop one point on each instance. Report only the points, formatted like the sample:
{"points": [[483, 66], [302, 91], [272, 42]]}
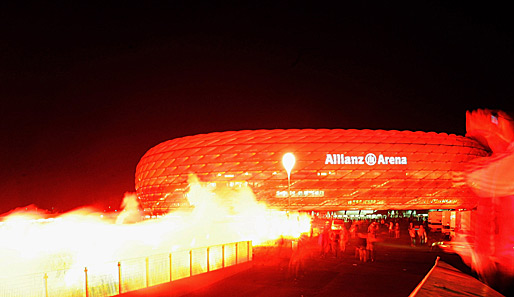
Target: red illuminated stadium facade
{"points": [[335, 169]]}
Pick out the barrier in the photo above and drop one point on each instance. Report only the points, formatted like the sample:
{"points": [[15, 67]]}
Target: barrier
{"points": [[113, 278], [445, 280]]}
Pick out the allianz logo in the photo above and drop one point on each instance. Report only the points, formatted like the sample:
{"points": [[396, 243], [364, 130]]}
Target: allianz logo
{"points": [[370, 159]]}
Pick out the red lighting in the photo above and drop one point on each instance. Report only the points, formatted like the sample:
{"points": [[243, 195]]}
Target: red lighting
{"points": [[335, 169]]}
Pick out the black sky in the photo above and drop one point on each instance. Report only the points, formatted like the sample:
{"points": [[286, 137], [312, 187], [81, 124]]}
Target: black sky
{"points": [[87, 90]]}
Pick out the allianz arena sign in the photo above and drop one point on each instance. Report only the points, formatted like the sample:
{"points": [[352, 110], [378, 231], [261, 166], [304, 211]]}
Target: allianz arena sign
{"points": [[370, 159]]}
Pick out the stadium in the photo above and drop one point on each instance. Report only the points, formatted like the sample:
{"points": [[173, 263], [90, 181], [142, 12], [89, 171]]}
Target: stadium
{"points": [[335, 169]]}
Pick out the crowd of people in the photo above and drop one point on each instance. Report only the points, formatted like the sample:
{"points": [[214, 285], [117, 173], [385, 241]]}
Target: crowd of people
{"points": [[363, 235], [358, 236]]}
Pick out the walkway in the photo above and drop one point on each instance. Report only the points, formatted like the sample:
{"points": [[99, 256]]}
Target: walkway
{"points": [[398, 269]]}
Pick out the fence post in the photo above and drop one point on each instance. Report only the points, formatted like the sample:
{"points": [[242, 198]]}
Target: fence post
{"points": [[87, 289], [46, 284], [190, 262], [223, 256], [208, 268], [171, 269], [147, 272], [119, 277], [236, 252]]}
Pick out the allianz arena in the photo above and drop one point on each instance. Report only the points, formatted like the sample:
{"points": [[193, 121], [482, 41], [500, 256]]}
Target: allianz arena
{"points": [[335, 169]]}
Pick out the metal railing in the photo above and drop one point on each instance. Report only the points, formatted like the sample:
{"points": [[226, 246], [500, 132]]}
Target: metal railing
{"points": [[113, 278]]}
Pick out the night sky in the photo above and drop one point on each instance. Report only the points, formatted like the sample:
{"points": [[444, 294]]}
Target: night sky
{"points": [[87, 90]]}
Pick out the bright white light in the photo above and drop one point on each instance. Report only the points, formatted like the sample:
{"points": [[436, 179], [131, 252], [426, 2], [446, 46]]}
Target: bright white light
{"points": [[288, 161]]}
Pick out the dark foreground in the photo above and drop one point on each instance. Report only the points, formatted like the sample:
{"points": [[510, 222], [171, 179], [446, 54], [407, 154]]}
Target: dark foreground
{"points": [[397, 270]]}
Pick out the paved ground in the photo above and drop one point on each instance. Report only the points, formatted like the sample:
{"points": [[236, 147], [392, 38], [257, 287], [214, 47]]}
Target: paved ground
{"points": [[396, 272]]}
